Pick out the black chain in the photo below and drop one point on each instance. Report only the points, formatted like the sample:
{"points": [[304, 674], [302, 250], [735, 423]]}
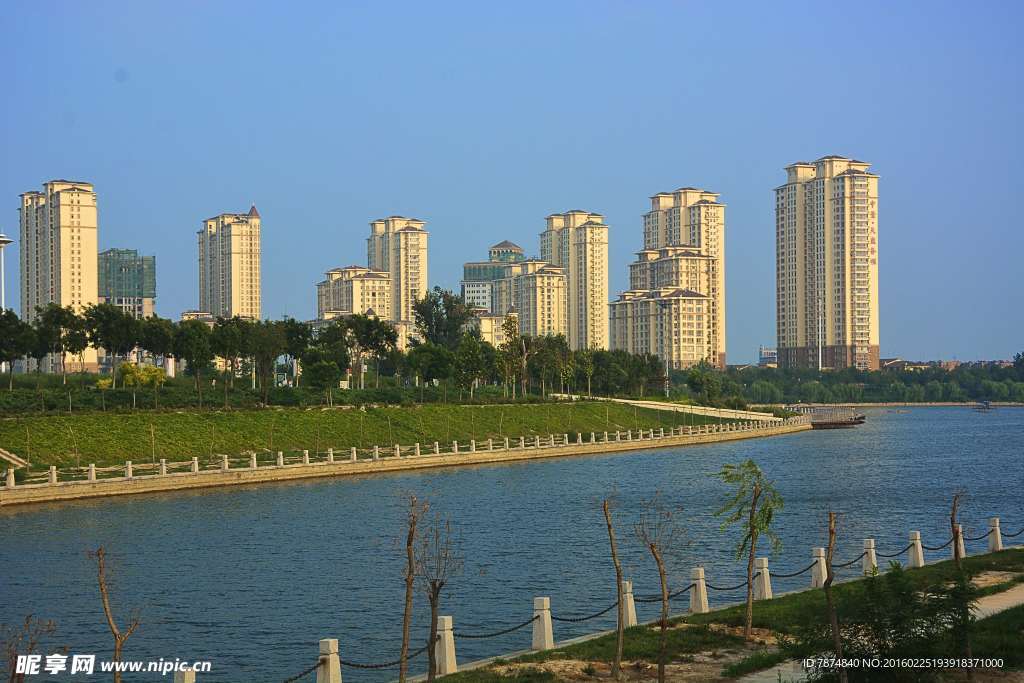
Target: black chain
{"points": [[791, 575], [497, 633], [978, 538], [671, 596], [727, 588], [576, 620], [847, 564], [304, 673], [896, 554], [386, 665], [1016, 534], [938, 547]]}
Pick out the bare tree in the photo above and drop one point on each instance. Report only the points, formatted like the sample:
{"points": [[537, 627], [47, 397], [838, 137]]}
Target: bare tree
{"points": [[620, 628], [437, 561], [133, 620], [661, 535], [416, 511], [23, 640], [962, 589], [833, 618]]}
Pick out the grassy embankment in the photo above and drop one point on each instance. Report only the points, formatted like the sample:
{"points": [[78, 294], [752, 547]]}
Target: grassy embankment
{"points": [[110, 439], [714, 634]]}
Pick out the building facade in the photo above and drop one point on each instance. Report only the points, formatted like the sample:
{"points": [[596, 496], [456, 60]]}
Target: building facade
{"points": [[541, 300], [352, 290], [398, 246], [128, 281], [675, 306], [229, 265], [478, 277], [59, 229], [577, 242], [826, 257]]}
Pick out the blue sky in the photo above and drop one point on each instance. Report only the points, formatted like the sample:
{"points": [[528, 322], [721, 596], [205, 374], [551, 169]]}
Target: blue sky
{"points": [[482, 118]]}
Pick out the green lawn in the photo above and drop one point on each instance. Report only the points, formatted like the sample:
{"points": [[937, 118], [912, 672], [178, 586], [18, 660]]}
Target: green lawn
{"points": [[1001, 637], [112, 438], [642, 643]]}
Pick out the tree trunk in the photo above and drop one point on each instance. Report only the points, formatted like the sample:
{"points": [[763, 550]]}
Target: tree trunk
{"points": [[410, 577], [620, 628], [748, 624], [435, 598], [833, 618], [965, 608], [663, 622]]}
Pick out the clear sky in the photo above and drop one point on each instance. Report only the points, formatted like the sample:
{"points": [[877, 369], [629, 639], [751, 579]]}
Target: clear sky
{"points": [[481, 118]]}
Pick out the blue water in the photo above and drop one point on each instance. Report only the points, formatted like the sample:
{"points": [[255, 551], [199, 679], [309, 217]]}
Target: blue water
{"points": [[251, 578]]}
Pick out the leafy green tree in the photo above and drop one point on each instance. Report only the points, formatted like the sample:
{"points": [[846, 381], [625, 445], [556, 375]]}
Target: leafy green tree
{"points": [[469, 362], [380, 339], [431, 362], [509, 353], [705, 382], [765, 392], [154, 378], [17, 338], [267, 345], [584, 363], [752, 505], [62, 328], [334, 340], [297, 338], [441, 317], [321, 371], [192, 344], [112, 330], [227, 341], [157, 336]]}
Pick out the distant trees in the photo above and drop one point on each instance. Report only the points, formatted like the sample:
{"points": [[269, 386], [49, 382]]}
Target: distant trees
{"points": [[441, 318], [17, 339]]}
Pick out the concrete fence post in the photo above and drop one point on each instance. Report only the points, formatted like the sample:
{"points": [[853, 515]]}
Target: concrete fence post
{"points": [[305, 457], [628, 605], [128, 470], [629, 435], [472, 445], [579, 438], [416, 449], [280, 459], [398, 451], [163, 466], [455, 446], [870, 559], [490, 444], [762, 579], [195, 465], [224, 464], [593, 438], [522, 442], [618, 435], [819, 571], [958, 542], [536, 441], [699, 592], [329, 670], [661, 433], [444, 648], [353, 456], [185, 676], [252, 461], [52, 476], [543, 636], [9, 483], [995, 535], [92, 472], [376, 452], [506, 443], [916, 552], [330, 455], [606, 437]]}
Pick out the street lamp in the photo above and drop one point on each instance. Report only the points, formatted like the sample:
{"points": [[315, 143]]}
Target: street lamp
{"points": [[4, 241]]}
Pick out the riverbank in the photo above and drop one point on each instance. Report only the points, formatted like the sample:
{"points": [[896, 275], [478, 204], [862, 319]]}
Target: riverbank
{"points": [[939, 404], [388, 459]]}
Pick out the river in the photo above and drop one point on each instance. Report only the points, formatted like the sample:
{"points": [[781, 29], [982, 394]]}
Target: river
{"points": [[251, 578]]}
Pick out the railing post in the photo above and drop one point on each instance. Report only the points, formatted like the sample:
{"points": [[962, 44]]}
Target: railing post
{"points": [[536, 441], [195, 465], [629, 435], [579, 438], [398, 451], [543, 637], [593, 438], [92, 472], [762, 579], [472, 445], [252, 461], [330, 455], [958, 541], [416, 449], [305, 457], [819, 571], [995, 535], [52, 476], [437, 448], [628, 605], [128, 469], [353, 455], [455, 446], [606, 437], [916, 553], [224, 464], [490, 444], [163, 466], [618, 435], [280, 459], [444, 648], [506, 443], [376, 452], [10, 477], [661, 433], [522, 442], [329, 670], [870, 559], [699, 592]]}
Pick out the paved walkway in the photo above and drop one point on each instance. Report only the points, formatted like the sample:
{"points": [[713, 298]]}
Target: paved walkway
{"points": [[986, 607]]}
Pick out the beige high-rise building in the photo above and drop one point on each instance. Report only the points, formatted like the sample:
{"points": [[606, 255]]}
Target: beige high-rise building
{"points": [[229, 265], [398, 246], [354, 290], [58, 254], [826, 248], [577, 241], [542, 300], [675, 306]]}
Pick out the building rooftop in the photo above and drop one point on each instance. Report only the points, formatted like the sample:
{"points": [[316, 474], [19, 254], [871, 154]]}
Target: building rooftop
{"points": [[253, 213], [507, 245]]}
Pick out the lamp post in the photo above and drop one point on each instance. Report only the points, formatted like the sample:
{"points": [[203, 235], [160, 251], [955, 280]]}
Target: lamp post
{"points": [[4, 241]]}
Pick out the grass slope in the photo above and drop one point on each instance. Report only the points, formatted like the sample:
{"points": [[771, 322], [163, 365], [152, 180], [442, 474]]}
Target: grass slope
{"points": [[110, 439]]}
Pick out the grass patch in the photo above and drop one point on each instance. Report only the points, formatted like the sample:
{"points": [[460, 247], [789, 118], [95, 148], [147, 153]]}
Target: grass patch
{"points": [[1001, 636], [112, 438], [642, 643], [489, 675], [763, 659]]}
